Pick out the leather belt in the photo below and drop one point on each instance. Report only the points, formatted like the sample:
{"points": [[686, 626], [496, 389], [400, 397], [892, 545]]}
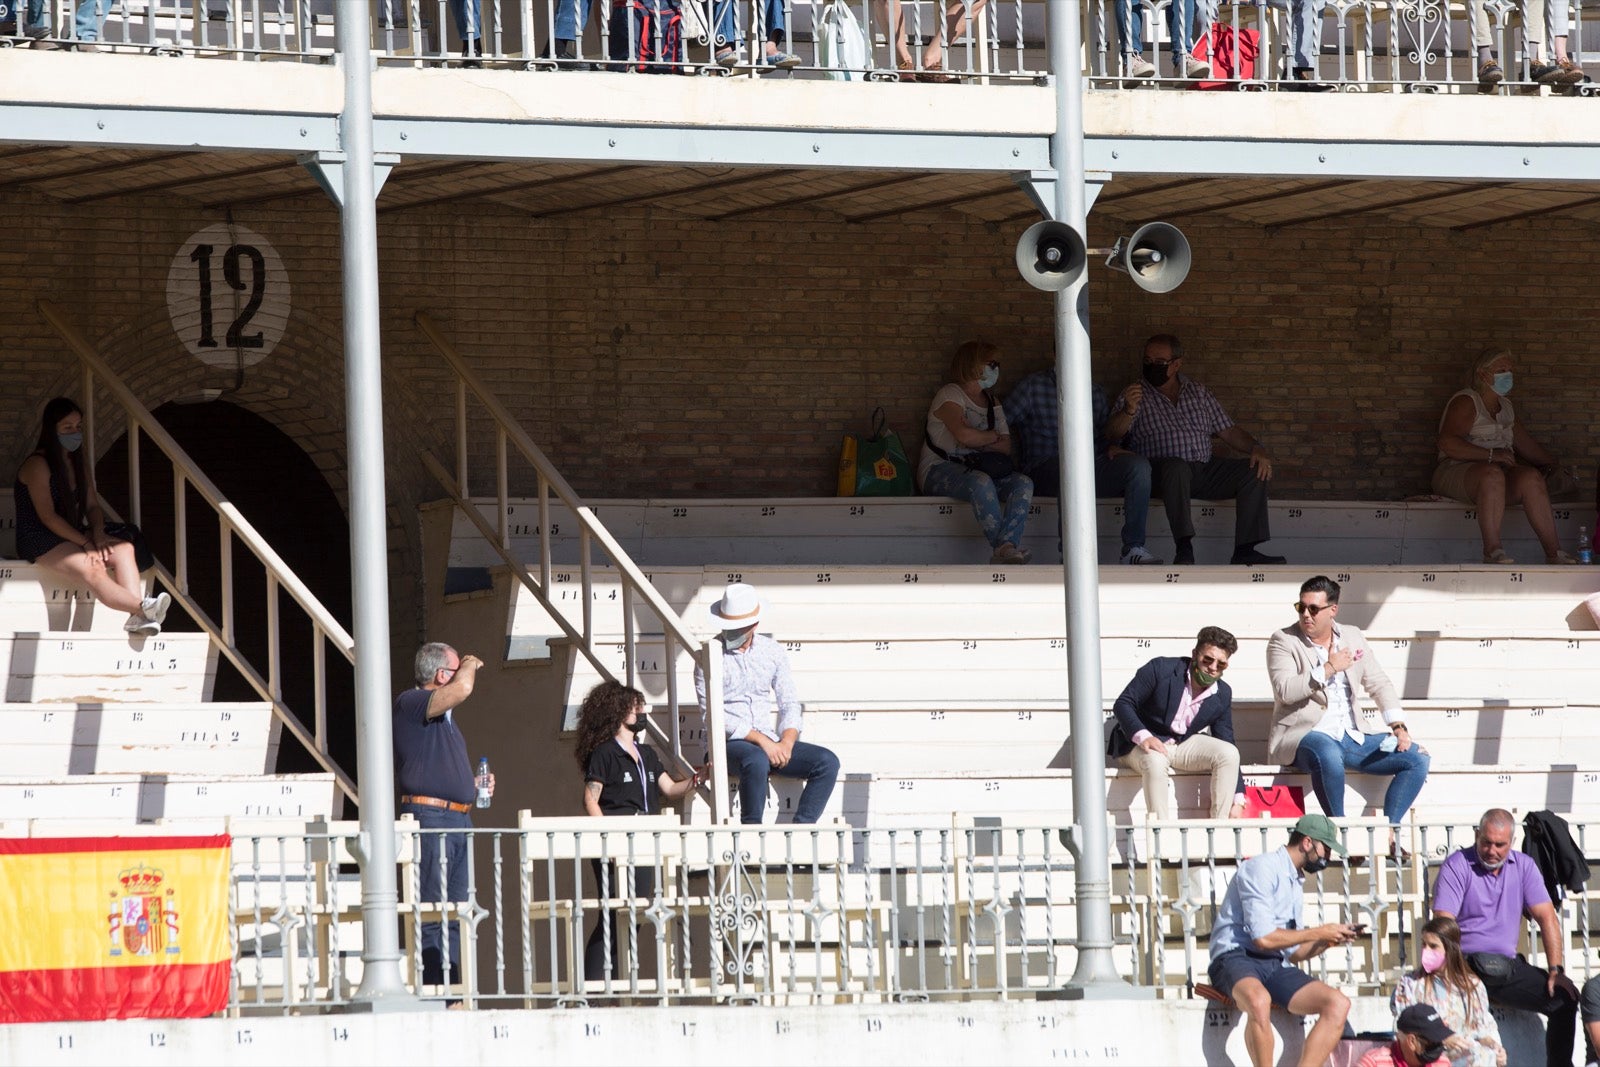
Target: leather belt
{"points": [[435, 802]]}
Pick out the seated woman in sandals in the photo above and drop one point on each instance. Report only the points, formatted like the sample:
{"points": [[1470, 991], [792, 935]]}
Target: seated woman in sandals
{"points": [[1488, 460], [61, 528], [887, 12]]}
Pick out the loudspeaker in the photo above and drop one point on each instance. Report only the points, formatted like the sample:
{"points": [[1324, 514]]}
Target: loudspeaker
{"points": [[1051, 256], [1156, 257]]}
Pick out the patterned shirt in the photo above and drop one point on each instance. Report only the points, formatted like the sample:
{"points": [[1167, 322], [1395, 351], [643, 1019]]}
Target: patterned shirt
{"points": [[1033, 412], [751, 681], [1164, 429]]}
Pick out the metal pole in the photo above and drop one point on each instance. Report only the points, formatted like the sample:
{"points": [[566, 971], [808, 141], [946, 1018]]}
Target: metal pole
{"points": [[380, 953], [1096, 972]]}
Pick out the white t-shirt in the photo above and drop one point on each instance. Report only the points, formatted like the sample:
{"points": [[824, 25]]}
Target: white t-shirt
{"points": [[974, 413]]}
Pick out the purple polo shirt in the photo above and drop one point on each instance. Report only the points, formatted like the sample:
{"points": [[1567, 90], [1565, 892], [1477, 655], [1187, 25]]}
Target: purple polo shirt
{"points": [[1489, 906]]}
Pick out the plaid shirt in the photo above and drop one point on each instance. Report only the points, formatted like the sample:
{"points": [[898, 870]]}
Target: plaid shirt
{"points": [[1035, 419], [1183, 430]]}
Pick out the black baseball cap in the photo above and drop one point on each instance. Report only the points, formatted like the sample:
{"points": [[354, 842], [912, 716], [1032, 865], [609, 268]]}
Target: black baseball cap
{"points": [[1423, 1021]]}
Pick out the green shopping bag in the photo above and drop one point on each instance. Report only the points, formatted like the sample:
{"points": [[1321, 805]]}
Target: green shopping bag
{"points": [[876, 465]]}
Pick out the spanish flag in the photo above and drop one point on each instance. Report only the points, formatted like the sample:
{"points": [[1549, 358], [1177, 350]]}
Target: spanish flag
{"points": [[113, 927]]}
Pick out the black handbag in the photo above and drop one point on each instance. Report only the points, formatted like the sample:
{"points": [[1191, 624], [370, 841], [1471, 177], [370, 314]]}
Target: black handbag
{"points": [[127, 531], [996, 465]]}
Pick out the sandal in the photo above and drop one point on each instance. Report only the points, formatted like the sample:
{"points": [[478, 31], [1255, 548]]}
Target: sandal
{"points": [[934, 72], [907, 70]]}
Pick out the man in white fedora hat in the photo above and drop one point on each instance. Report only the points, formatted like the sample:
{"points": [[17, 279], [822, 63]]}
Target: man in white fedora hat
{"points": [[755, 675]]}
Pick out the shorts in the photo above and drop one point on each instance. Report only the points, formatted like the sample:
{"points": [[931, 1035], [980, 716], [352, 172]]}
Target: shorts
{"points": [[1282, 981], [1450, 479]]}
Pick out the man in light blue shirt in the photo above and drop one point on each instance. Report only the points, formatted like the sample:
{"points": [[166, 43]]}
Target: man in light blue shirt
{"points": [[1257, 940], [755, 675]]}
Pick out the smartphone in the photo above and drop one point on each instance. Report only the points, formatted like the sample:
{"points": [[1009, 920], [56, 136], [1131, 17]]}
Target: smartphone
{"points": [[1359, 928]]}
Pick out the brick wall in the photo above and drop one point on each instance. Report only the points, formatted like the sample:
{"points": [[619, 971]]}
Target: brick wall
{"points": [[651, 354]]}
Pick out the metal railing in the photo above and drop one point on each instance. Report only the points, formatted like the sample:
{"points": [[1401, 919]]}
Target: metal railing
{"points": [[637, 590], [233, 529], [810, 914], [1415, 45]]}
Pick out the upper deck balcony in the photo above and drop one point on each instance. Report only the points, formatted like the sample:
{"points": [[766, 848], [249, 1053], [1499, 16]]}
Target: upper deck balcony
{"points": [[261, 75]]}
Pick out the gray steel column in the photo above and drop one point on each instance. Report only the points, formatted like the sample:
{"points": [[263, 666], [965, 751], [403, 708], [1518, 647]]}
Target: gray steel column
{"points": [[1096, 971], [369, 553]]}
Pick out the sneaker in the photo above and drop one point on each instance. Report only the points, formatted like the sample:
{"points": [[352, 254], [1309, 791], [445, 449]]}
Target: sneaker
{"points": [[155, 607], [1545, 74], [781, 60], [1140, 67], [138, 624], [1250, 557], [1195, 69], [1571, 73], [1136, 556], [1489, 75]]}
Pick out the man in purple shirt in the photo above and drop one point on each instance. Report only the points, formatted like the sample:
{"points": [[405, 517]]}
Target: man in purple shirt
{"points": [[1488, 888], [1170, 419]]}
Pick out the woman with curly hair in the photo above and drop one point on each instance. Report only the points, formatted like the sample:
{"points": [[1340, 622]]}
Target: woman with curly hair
{"points": [[1443, 981], [620, 777]]}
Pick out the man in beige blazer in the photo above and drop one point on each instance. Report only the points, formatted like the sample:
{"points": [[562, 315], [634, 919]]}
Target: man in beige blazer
{"points": [[1318, 668]]}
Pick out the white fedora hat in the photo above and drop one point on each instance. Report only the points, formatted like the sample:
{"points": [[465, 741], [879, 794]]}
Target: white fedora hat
{"points": [[738, 609]]}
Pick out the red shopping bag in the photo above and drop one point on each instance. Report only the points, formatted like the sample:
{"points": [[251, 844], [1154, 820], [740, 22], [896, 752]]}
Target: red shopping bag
{"points": [[1231, 55], [1274, 802]]}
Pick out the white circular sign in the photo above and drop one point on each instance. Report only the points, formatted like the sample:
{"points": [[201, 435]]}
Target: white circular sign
{"points": [[228, 296]]}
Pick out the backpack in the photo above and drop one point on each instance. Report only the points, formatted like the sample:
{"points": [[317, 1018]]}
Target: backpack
{"points": [[841, 46], [1232, 55], [644, 19]]}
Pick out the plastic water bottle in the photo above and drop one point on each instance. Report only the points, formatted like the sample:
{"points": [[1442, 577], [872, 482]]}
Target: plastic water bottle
{"points": [[1585, 548], [483, 782]]}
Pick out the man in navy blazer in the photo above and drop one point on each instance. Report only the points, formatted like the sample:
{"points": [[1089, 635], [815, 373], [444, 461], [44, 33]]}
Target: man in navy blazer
{"points": [[1161, 718]]}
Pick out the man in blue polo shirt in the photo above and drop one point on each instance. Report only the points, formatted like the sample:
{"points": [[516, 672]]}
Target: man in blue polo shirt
{"points": [[1488, 887], [1257, 940], [434, 776]]}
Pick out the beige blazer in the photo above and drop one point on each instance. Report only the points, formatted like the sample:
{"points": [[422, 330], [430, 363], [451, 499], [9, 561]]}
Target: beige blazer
{"points": [[1299, 699]]}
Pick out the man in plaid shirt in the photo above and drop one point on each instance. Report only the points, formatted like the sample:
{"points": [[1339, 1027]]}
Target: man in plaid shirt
{"points": [[1032, 412], [1170, 419]]}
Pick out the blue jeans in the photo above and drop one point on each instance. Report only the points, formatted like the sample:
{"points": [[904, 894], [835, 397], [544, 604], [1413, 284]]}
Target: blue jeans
{"points": [[451, 884], [90, 14], [1327, 758], [1180, 24], [817, 765], [30, 16], [728, 23], [999, 526], [1127, 476], [571, 18]]}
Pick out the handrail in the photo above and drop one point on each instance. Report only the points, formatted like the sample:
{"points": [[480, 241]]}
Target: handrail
{"points": [[186, 473], [634, 582]]}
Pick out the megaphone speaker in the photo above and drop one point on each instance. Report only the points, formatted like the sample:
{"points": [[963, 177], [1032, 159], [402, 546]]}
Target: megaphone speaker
{"points": [[1051, 256], [1156, 257]]}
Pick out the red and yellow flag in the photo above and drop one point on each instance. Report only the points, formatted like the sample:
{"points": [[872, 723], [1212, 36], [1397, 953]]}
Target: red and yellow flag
{"points": [[113, 927]]}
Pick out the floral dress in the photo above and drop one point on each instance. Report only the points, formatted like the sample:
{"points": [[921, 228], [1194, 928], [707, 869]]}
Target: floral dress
{"points": [[1465, 1013]]}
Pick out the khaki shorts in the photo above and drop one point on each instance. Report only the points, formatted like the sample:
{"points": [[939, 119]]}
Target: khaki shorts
{"points": [[1450, 479]]}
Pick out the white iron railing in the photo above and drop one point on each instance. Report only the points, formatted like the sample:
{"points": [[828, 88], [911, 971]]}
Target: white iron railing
{"points": [[636, 587], [233, 528]]}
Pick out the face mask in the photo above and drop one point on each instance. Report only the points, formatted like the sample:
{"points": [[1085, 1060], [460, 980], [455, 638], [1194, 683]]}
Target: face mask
{"points": [[732, 639], [1314, 863], [1430, 1053], [1156, 373], [1432, 959], [70, 441], [1202, 679], [1502, 382], [637, 725], [1491, 866], [989, 376]]}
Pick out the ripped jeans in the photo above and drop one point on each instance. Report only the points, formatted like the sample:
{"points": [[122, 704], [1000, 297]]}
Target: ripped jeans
{"points": [[1001, 522]]}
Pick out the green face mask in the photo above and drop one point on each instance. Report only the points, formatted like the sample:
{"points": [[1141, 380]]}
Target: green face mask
{"points": [[1202, 679]]}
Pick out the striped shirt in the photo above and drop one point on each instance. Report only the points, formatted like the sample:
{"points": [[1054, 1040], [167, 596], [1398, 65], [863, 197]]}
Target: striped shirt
{"points": [[1164, 429], [752, 681]]}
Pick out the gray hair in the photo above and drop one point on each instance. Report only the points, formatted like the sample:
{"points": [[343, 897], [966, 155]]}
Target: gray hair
{"points": [[432, 658], [1498, 817]]}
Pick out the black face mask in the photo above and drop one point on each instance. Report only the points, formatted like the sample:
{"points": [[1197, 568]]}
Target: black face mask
{"points": [[1315, 863], [1431, 1053], [638, 726], [1157, 373]]}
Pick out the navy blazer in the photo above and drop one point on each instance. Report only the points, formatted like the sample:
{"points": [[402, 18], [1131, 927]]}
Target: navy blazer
{"points": [[1151, 700]]}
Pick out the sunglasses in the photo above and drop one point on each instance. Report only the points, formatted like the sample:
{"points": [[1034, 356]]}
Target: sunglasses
{"points": [[1311, 609]]}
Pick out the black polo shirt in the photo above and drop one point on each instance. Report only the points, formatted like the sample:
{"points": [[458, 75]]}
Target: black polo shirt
{"points": [[430, 755], [621, 792]]}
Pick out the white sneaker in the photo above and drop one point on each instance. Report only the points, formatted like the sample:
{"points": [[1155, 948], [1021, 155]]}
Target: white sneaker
{"points": [[1137, 555], [139, 624], [1196, 69], [1140, 67], [155, 607]]}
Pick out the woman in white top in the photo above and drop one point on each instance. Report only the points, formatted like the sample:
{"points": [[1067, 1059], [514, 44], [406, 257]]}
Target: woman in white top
{"points": [[966, 452], [1488, 460]]}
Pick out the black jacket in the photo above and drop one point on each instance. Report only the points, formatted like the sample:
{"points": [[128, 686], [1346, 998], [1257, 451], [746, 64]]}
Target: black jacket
{"points": [[1547, 839]]}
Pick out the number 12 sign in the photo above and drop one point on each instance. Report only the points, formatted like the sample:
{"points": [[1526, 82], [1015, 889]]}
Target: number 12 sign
{"points": [[228, 296]]}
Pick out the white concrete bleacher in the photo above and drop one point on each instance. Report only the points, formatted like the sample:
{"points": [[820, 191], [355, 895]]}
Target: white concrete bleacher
{"points": [[937, 530]]}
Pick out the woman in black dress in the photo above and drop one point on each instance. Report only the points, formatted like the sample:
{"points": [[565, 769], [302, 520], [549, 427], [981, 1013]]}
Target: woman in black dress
{"points": [[61, 527], [620, 777]]}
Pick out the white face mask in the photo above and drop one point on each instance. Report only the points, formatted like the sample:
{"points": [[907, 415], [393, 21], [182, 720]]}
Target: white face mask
{"points": [[989, 376]]}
